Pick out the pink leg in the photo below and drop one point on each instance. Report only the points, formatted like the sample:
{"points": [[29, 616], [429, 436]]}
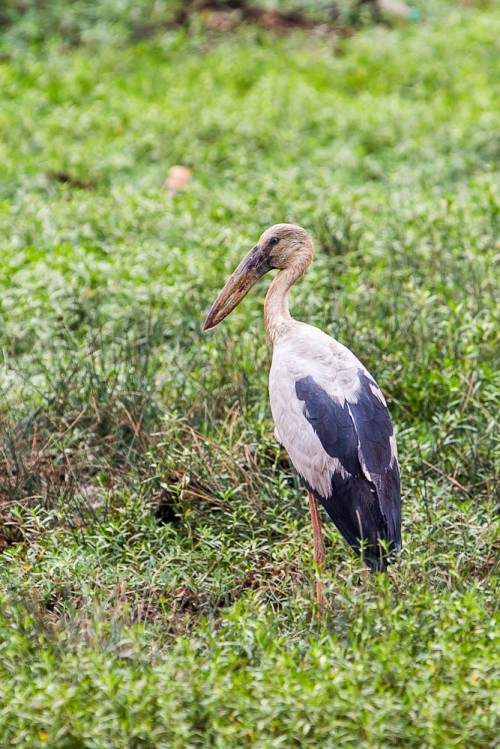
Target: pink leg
{"points": [[318, 548]]}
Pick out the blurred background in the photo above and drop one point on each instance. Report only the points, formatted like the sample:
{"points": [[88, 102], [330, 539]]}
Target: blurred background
{"points": [[156, 587]]}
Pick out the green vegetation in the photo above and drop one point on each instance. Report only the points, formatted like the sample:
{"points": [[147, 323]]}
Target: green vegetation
{"points": [[156, 579]]}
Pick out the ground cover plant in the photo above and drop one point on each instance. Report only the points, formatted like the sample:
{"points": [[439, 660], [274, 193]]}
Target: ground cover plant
{"points": [[156, 582]]}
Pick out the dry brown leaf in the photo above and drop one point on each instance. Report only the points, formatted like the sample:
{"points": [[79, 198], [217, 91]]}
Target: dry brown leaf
{"points": [[177, 179]]}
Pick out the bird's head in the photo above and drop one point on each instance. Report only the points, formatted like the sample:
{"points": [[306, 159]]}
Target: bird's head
{"points": [[282, 246]]}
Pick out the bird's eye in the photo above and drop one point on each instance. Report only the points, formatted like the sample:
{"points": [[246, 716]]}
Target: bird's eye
{"points": [[274, 240]]}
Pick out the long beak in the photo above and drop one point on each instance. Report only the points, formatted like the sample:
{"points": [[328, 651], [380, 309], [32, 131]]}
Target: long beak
{"points": [[248, 272]]}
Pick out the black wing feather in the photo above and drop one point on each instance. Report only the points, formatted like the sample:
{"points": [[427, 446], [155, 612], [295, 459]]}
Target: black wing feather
{"points": [[365, 510]]}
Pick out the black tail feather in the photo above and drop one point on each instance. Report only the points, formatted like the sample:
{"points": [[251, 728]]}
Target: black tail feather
{"points": [[354, 508]]}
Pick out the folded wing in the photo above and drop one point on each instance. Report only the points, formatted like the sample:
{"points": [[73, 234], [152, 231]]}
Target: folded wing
{"points": [[364, 497]]}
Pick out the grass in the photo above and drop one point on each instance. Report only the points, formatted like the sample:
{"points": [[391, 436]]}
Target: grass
{"points": [[156, 580]]}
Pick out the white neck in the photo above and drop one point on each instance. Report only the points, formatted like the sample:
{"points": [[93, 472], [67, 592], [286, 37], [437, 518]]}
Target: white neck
{"points": [[276, 313]]}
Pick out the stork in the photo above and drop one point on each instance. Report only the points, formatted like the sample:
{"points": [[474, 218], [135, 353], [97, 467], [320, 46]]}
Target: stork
{"points": [[329, 413]]}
